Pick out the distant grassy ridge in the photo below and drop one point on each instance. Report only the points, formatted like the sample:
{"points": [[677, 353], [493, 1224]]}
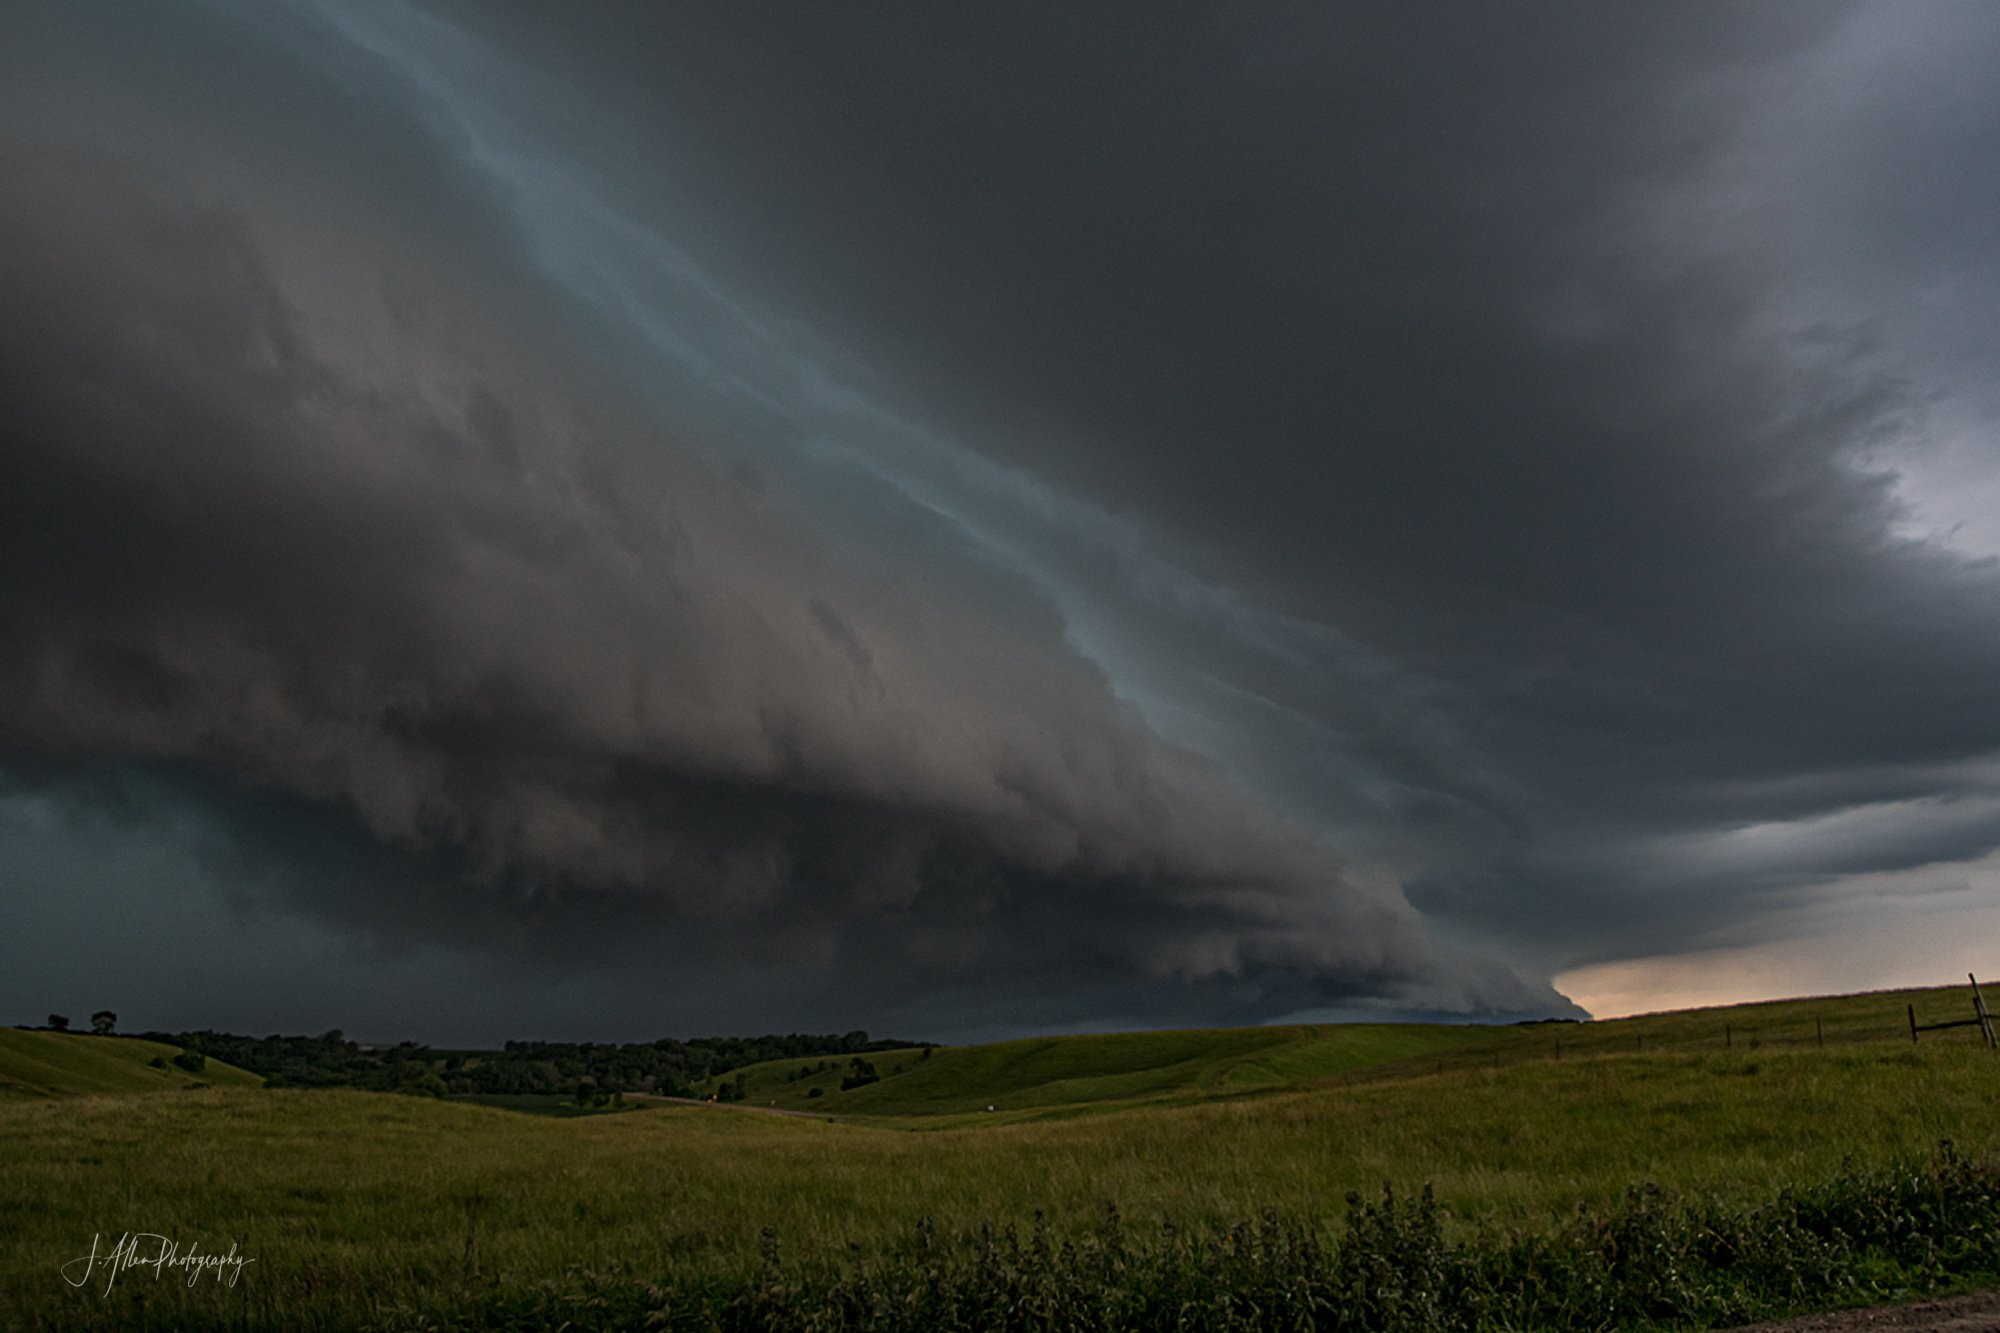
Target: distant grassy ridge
{"points": [[69, 1064], [540, 1103], [1741, 1031], [1044, 1075]]}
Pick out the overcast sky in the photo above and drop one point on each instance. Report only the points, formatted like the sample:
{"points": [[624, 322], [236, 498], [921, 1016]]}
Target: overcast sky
{"points": [[606, 521]]}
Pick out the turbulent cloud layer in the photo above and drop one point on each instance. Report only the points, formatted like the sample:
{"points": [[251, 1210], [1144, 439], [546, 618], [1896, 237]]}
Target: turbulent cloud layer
{"points": [[546, 651], [999, 517]]}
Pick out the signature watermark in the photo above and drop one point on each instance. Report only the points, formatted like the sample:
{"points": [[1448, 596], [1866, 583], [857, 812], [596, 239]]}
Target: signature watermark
{"points": [[144, 1249]]}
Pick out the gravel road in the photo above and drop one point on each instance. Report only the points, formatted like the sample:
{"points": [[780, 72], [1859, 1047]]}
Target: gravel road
{"points": [[1978, 1312]]}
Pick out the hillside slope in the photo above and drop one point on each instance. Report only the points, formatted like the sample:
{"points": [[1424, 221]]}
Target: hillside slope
{"points": [[1043, 1076], [1048, 1073], [401, 1186], [66, 1064]]}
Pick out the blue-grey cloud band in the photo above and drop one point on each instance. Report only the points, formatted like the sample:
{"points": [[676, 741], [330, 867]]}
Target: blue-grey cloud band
{"points": [[276, 524]]}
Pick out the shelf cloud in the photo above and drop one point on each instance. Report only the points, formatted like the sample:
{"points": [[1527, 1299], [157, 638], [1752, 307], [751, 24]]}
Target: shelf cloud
{"points": [[986, 519]]}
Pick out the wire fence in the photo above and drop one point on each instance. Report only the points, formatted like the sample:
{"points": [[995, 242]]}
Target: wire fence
{"points": [[1847, 1021]]}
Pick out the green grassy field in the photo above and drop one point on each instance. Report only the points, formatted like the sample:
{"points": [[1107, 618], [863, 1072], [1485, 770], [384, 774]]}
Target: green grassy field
{"points": [[537, 1103], [1063, 1075], [36, 1065], [365, 1207]]}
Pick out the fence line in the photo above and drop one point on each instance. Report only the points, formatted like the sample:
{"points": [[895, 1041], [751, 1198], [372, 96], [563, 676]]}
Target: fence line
{"points": [[1980, 1019], [1580, 1042]]}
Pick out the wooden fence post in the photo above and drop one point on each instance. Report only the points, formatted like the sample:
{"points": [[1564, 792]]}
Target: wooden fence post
{"points": [[1980, 1018], [1979, 1007], [1819, 1032]]}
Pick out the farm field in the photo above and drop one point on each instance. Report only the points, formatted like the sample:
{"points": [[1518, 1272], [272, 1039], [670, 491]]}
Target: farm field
{"points": [[365, 1209]]}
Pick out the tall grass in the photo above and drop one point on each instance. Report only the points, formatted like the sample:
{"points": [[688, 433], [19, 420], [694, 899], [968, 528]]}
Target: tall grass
{"points": [[1647, 1261], [356, 1205]]}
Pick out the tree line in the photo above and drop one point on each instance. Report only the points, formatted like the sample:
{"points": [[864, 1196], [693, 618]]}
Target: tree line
{"points": [[669, 1066]]}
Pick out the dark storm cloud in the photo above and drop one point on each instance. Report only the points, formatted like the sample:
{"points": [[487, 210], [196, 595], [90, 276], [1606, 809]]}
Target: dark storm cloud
{"points": [[353, 555], [1552, 385], [728, 486]]}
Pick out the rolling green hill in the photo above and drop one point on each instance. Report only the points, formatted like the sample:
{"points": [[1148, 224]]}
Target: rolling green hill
{"points": [[1057, 1074], [350, 1202], [66, 1064], [1044, 1076]]}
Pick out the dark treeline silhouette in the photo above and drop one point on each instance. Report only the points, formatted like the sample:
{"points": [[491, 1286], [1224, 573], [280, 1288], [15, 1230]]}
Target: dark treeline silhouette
{"points": [[668, 1066]]}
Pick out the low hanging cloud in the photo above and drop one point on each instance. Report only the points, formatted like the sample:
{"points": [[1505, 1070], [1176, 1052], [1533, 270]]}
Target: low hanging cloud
{"points": [[480, 607]]}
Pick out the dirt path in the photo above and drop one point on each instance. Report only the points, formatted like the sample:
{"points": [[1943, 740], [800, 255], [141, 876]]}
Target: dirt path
{"points": [[1978, 1312]]}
